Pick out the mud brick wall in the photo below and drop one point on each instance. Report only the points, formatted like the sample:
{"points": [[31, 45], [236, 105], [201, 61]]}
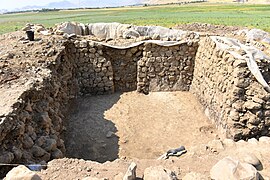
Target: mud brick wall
{"points": [[232, 97], [166, 68]]}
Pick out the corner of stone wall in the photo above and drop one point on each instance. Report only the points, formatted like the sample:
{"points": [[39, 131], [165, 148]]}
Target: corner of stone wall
{"points": [[94, 70]]}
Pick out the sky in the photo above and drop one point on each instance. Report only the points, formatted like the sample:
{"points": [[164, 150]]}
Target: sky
{"points": [[12, 4]]}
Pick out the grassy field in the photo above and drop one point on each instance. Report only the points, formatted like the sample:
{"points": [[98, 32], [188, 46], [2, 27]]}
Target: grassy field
{"points": [[167, 15]]}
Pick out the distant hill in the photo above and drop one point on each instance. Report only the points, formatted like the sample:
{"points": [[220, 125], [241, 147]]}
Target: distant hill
{"points": [[3, 11], [58, 5], [65, 4], [213, 1], [108, 3]]}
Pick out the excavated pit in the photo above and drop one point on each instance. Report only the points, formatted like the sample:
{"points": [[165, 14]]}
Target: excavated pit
{"points": [[100, 102], [92, 130]]}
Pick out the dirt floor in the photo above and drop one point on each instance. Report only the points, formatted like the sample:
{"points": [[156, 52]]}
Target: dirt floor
{"points": [[133, 125]]}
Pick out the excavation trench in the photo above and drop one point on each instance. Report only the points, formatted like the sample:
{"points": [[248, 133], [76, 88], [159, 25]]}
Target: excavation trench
{"points": [[136, 101], [132, 125]]}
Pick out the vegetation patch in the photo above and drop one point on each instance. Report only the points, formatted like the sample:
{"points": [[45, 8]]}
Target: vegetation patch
{"points": [[253, 16]]}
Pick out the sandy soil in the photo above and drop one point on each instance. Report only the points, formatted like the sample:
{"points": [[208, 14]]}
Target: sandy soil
{"points": [[133, 125]]}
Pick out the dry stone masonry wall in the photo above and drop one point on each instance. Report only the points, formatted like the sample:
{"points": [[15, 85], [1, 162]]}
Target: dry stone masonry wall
{"points": [[145, 67], [166, 68], [233, 98]]}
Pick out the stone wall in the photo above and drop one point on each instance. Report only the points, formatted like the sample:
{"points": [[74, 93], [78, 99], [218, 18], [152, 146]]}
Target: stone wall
{"points": [[144, 66], [124, 64], [166, 68], [94, 71], [232, 97]]}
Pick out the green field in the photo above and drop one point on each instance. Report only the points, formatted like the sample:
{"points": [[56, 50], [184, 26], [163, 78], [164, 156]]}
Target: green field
{"points": [[167, 15]]}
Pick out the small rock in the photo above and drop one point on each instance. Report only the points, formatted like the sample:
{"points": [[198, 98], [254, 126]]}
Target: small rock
{"points": [[252, 105], [241, 143], [37, 151], [215, 146], [56, 154], [109, 134], [158, 173], [264, 139], [131, 172], [229, 168], [50, 145], [6, 157], [83, 44], [50, 53], [21, 173], [253, 141]]}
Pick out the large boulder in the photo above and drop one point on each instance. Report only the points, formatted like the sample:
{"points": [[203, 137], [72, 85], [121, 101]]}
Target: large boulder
{"points": [[229, 168], [158, 173], [21, 173]]}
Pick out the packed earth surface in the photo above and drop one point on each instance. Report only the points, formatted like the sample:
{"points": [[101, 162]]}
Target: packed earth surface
{"points": [[105, 134]]}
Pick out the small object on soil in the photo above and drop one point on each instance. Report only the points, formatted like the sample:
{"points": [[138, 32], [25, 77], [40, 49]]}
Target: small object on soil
{"points": [[174, 152], [30, 35], [35, 167]]}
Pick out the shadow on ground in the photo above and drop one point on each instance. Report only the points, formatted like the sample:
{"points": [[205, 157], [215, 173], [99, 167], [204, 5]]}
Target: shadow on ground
{"points": [[89, 135]]}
